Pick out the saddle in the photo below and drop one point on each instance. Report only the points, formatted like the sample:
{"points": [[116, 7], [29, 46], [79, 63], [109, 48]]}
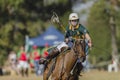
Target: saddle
{"points": [[63, 49]]}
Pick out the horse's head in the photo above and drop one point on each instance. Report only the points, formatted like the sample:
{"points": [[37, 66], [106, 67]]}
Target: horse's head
{"points": [[79, 48]]}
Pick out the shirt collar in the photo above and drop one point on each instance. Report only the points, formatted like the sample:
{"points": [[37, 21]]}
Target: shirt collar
{"points": [[76, 27]]}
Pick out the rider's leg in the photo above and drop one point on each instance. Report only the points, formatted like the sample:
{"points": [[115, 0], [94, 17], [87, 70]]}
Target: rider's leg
{"points": [[55, 51], [70, 44]]}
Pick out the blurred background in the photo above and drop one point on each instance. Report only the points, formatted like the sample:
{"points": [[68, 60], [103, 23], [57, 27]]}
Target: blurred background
{"points": [[27, 23]]}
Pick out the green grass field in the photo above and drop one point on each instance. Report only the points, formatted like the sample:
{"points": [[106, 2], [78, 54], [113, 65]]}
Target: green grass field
{"points": [[92, 75], [100, 75]]}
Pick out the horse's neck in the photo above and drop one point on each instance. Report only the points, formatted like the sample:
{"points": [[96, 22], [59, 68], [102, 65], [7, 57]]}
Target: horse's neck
{"points": [[73, 56], [71, 59]]}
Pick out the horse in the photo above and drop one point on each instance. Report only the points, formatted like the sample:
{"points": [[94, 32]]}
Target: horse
{"points": [[65, 65]]}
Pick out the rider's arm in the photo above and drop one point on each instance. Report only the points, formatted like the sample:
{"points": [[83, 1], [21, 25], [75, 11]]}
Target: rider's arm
{"points": [[86, 34], [67, 36], [89, 39]]}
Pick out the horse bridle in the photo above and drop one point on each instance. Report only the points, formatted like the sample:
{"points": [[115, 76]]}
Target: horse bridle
{"points": [[74, 48]]}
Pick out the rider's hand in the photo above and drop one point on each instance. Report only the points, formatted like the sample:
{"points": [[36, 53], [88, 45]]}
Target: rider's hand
{"points": [[66, 40], [89, 44]]}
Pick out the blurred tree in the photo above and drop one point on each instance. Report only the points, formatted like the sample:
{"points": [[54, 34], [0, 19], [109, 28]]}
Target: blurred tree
{"points": [[25, 17], [99, 24], [100, 32], [112, 13]]}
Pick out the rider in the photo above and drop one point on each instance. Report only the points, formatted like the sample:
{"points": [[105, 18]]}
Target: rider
{"points": [[74, 30], [77, 31]]}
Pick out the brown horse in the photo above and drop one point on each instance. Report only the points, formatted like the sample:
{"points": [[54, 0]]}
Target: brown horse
{"points": [[66, 66]]}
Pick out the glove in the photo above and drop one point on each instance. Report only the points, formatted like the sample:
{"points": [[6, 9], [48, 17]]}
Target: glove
{"points": [[70, 39]]}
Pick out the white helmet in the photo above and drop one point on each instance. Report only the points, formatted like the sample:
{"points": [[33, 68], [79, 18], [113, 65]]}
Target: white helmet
{"points": [[73, 16]]}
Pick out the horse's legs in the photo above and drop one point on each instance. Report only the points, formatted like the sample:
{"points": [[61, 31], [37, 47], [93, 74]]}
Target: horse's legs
{"points": [[74, 77], [78, 69], [70, 77], [22, 71], [54, 78], [65, 76], [45, 74], [26, 71]]}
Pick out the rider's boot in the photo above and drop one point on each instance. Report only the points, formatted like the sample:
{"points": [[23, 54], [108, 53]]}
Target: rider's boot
{"points": [[53, 53]]}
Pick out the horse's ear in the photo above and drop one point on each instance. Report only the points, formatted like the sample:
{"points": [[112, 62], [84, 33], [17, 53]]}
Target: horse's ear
{"points": [[81, 41]]}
